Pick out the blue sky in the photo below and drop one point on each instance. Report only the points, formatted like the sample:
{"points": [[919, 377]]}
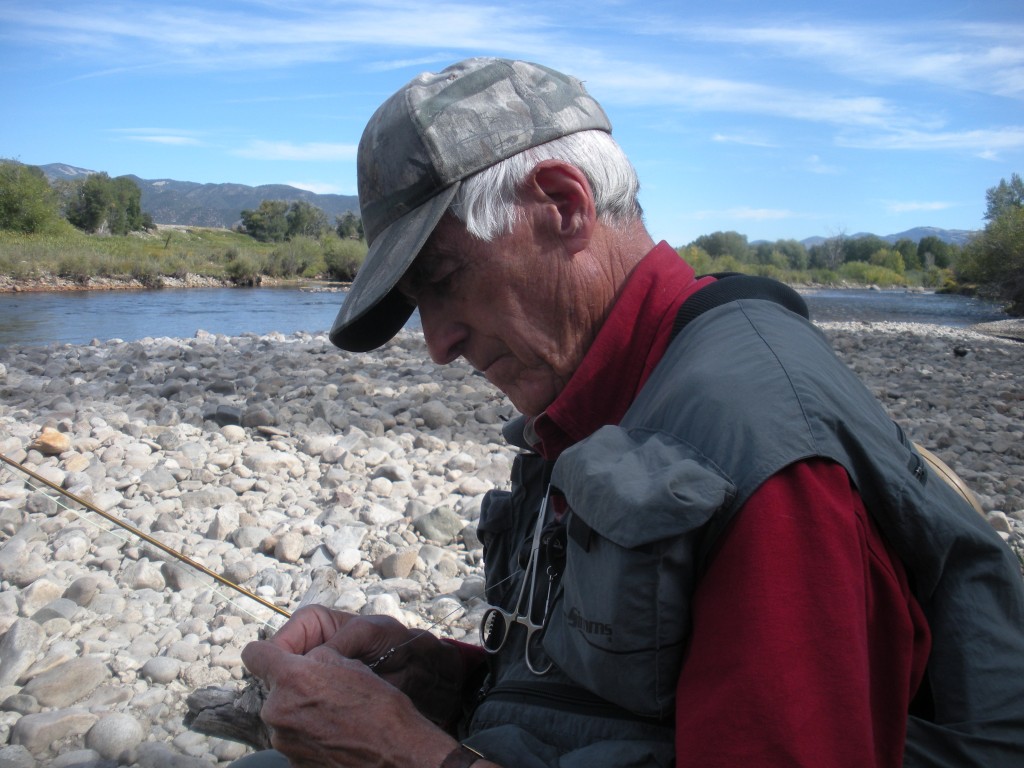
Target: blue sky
{"points": [[773, 119]]}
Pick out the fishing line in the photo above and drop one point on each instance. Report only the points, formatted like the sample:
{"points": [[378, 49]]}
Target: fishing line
{"points": [[269, 623], [198, 566], [144, 536]]}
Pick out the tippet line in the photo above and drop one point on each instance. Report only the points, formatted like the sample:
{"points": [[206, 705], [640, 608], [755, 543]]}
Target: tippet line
{"points": [[147, 538]]}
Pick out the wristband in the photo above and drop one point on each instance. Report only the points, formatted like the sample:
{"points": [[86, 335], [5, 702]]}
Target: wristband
{"points": [[461, 757]]}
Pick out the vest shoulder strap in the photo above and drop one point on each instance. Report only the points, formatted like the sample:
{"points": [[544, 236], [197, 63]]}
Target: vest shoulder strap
{"points": [[731, 286]]}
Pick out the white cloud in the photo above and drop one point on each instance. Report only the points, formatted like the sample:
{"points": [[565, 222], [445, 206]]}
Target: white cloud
{"points": [[976, 57], [286, 150], [177, 141], [897, 206], [746, 139], [317, 187], [983, 142], [815, 164], [748, 214]]}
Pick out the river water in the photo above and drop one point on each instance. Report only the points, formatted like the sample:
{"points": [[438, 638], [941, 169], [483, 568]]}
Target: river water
{"points": [[78, 317]]}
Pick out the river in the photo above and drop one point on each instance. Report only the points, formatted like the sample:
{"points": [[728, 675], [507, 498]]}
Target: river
{"points": [[78, 317]]}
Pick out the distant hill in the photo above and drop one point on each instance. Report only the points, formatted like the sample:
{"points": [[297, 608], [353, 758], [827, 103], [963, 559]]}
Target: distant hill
{"points": [[211, 205], [952, 236]]}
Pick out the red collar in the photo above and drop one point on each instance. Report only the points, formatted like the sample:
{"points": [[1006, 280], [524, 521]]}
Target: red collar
{"points": [[626, 350]]}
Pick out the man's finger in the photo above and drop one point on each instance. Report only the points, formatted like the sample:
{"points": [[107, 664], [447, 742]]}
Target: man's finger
{"points": [[263, 659]]}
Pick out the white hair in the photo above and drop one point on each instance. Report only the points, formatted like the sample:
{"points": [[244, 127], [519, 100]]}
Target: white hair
{"points": [[486, 201]]}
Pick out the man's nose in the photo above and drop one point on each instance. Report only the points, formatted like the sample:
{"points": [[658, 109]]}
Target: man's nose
{"points": [[443, 334]]}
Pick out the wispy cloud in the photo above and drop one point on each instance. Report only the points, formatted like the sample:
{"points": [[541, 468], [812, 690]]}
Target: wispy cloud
{"points": [[177, 141], [748, 214], [317, 187], [976, 57], [746, 139], [286, 150], [269, 35], [815, 164], [166, 136], [988, 143], [908, 206]]}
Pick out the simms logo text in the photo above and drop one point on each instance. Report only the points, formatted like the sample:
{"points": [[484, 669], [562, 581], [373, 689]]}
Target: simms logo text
{"points": [[578, 621]]}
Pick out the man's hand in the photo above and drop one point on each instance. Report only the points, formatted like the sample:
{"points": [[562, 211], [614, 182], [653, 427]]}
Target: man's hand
{"points": [[328, 708], [422, 667], [329, 711]]}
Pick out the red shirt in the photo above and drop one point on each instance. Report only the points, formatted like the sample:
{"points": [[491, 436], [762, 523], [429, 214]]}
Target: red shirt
{"points": [[807, 646]]}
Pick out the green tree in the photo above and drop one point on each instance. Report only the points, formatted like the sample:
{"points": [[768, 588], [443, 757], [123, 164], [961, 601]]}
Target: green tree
{"points": [[90, 202], [349, 226], [795, 253], [125, 212], [268, 223], [27, 201], [888, 258], [934, 252], [995, 258], [100, 202], [306, 220], [724, 244], [861, 248], [908, 250], [830, 253], [1004, 197]]}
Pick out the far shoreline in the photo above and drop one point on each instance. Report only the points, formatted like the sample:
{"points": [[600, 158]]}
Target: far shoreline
{"points": [[54, 284]]}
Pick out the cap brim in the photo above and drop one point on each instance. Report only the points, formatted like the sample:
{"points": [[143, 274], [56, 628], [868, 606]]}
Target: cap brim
{"points": [[374, 311]]}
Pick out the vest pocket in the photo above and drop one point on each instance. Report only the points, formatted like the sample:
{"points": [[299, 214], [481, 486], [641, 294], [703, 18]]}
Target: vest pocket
{"points": [[620, 619]]}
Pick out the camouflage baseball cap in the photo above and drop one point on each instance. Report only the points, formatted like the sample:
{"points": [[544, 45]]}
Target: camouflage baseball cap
{"points": [[416, 149]]}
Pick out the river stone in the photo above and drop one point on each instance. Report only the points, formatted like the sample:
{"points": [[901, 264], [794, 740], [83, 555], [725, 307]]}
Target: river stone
{"points": [[436, 414], [398, 565], [144, 575], [161, 669], [38, 731], [441, 525], [289, 547], [18, 649], [67, 683], [61, 608], [16, 756], [159, 479], [21, 703], [51, 442], [13, 555], [37, 594], [114, 735], [42, 504]]}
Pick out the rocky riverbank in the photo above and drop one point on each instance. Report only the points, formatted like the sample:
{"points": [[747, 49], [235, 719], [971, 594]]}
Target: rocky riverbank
{"points": [[309, 474]]}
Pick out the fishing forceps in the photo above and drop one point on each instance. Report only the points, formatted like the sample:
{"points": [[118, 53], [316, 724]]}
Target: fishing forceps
{"points": [[497, 623]]}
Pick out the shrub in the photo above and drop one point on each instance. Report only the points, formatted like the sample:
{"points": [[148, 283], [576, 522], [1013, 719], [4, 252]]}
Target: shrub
{"points": [[872, 274], [343, 258], [244, 270]]}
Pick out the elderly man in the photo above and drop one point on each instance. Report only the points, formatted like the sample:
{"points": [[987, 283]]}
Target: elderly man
{"points": [[717, 550]]}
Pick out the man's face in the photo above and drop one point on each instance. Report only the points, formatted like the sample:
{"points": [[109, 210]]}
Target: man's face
{"points": [[511, 307]]}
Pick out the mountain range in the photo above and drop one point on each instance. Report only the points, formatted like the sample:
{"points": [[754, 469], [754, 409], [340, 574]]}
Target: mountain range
{"points": [[221, 205], [210, 205]]}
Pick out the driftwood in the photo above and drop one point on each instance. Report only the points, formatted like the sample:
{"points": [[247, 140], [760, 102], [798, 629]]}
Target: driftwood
{"points": [[230, 713]]}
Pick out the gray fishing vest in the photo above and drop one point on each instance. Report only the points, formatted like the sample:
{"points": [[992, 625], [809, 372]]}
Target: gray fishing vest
{"points": [[744, 391]]}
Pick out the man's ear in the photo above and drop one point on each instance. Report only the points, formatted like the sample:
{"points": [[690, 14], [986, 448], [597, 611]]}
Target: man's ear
{"points": [[567, 201]]}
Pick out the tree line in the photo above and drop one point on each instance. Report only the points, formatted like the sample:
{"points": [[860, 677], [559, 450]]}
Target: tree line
{"points": [[276, 221], [927, 256], [29, 203]]}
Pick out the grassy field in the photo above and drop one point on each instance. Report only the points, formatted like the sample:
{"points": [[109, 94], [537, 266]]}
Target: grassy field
{"points": [[174, 251]]}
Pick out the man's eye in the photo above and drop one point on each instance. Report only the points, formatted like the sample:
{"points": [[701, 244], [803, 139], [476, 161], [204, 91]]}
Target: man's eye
{"points": [[442, 284]]}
